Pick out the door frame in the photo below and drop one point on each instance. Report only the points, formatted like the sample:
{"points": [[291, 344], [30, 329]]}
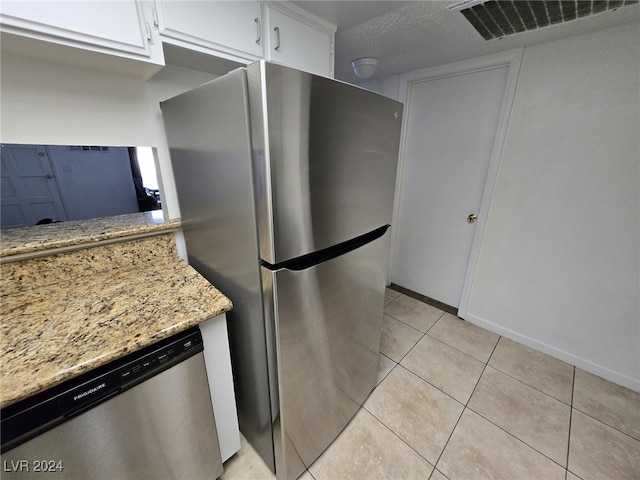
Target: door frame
{"points": [[511, 59]]}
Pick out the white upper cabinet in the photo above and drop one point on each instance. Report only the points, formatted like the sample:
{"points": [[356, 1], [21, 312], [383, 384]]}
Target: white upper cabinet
{"points": [[247, 30], [231, 29], [121, 28], [241, 31], [297, 39]]}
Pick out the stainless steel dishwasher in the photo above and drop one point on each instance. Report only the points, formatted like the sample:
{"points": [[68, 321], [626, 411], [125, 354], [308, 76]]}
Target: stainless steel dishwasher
{"points": [[147, 415]]}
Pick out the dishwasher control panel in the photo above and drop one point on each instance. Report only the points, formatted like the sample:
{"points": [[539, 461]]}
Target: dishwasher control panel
{"points": [[120, 378], [43, 411]]}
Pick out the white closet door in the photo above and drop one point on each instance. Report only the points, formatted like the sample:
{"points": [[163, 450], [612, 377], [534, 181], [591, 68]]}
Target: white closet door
{"points": [[451, 127], [30, 190]]}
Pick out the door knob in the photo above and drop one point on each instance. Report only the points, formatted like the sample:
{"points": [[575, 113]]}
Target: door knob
{"points": [[472, 218]]}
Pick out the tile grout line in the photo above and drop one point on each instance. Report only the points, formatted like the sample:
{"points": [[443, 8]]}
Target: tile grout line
{"points": [[436, 470], [514, 435], [487, 362], [448, 440], [432, 385], [362, 407], [406, 324], [516, 438], [501, 428], [382, 379], [397, 364], [605, 424], [531, 386], [573, 388], [465, 405], [575, 369], [412, 347], [411, 326], [458, 350], [508, 432], [482, 361], [523, 382], [421, 301], [392, 300], [424, 380], [438, 340], [398, 437], [422, 335], [498, 426]]}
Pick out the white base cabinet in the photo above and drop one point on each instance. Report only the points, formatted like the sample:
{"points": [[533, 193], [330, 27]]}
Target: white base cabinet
{"points": [[217, 359]]}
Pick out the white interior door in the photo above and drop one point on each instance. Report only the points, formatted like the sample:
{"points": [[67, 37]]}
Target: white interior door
{"points": [[30, 190], [450, 130]]}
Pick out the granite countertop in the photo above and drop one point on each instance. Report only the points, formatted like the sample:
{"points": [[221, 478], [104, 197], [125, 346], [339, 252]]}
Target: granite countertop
{"points": [[67, 313], [54, 334], [81, 233]]}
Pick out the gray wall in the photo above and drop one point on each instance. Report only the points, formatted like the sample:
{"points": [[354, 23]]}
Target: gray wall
{"points": [[94, 183]]}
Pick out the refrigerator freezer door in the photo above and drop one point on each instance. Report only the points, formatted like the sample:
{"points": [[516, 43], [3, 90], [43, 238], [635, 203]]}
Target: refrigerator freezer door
{"points": [[208, 135], [327, 322], [325, 157]]}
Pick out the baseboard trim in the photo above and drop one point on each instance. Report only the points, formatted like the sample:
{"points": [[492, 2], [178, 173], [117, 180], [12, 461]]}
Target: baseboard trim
{"points": [[425, 299], [584, 364]]}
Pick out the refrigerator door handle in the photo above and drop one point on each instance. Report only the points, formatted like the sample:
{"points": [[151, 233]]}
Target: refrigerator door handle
{"points": [[314, 258]]}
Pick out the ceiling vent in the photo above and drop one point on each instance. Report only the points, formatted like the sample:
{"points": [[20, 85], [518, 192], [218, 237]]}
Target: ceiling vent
{"points": [[500, 18]]}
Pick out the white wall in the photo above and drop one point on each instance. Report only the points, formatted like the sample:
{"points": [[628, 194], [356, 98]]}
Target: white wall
{"points": [[387, 86], [559, 263], [50, 103]]}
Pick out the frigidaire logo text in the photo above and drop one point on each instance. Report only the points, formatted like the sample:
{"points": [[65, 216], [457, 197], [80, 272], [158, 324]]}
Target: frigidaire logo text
{"points": [[90, 391]]}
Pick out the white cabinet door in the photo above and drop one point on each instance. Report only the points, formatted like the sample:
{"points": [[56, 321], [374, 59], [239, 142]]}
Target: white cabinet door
{"points": [[231, 29], [296, 41], [117, 28]]}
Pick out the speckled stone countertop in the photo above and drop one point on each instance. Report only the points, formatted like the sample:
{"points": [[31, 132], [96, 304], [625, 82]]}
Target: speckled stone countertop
{"points": [[65, 314], [79, 233]]}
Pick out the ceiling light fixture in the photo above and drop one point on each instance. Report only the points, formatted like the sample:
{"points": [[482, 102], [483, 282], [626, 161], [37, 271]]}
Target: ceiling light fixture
{"points": [[364, 67]]}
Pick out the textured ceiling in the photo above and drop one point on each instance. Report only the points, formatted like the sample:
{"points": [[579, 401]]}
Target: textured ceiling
{"points": [[407, 36]]}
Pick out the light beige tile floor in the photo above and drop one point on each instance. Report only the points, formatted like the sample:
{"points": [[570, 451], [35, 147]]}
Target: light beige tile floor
{"points": [[455, 401]]}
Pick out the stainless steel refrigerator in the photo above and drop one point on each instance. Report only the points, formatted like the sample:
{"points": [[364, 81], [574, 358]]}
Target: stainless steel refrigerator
{"points": [[286, 185]]}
